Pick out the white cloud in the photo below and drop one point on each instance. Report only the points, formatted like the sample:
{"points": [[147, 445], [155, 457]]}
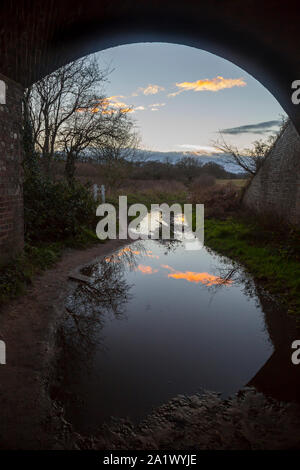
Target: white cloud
{"points": [[199, 149], [148, 90], [157, 105]]}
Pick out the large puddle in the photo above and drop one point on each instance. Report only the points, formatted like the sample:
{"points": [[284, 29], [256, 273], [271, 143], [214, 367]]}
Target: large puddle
{"points": [[155, 321]]}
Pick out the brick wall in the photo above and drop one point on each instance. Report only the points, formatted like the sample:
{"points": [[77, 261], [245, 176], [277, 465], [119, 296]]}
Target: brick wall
{"points": [[11, 197], [275, 189]]}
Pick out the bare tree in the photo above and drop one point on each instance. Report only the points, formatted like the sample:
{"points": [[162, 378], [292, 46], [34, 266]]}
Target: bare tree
{"points": [[249, 159], [189, 166], [117, 151], [52, 101], [96, 130]]}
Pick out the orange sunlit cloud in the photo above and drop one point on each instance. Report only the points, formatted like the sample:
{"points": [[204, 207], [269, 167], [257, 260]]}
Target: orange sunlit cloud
{"points": [[120, 253], [128, 250], [175, 93], [214, 84], [146, 269], [115, 103], [115, 258], [190, 276], [149, 253], [109, 105]]}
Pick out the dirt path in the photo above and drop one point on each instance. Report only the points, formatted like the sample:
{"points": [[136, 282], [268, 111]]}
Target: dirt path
{"points": [[28, 326]]}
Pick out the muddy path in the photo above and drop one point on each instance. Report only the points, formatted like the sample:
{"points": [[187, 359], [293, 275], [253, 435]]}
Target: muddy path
{"points": [[28, 325]]}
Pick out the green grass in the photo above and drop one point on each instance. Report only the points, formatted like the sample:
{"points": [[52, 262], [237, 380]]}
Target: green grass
{"points": [[270, 258], [18, 274]]}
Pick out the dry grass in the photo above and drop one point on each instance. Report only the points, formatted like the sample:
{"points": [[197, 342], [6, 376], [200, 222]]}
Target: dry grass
{"points": [[85, 172], [150, 186], [239, 183], [204, 189]]}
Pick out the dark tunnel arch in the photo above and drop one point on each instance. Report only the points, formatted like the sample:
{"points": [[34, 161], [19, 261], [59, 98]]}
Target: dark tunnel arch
{"points": [[37, 38]]}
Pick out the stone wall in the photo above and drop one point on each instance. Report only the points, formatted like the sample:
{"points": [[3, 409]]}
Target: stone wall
{"points": [[11, 196], [275, 189]]}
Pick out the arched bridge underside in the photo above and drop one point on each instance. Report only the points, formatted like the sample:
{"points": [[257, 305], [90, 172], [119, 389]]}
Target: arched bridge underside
{"points": [[261, 37], [37, 37]]}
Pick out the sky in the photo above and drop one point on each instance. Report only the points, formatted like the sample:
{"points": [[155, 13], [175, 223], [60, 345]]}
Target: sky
{"points": [[181, 97]]}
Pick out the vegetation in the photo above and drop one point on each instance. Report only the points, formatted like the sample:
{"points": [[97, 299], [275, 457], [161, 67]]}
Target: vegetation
{"points": [[55, 210], [18, 273], [250, 159], [66, 111], [57, 216], [270, 254]]}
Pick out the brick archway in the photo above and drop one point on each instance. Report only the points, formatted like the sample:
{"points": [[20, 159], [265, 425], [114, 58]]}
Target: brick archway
{"points": [[37, 37], [261, 37]]}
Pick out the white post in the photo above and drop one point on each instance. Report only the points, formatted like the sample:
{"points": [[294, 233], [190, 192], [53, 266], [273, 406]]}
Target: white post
{"points": [[95, 192], [103, 193], [2, 353], [2, 92]]}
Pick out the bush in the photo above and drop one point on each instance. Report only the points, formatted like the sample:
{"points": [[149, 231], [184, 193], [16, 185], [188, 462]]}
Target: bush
{"points": [[56, 211], [203, 181], [219, 201], [18, 273]]}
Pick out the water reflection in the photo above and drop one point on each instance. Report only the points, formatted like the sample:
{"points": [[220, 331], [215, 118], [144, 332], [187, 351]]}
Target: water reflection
{"points": [[190, 276], [153, 320], [168, 227], [106, 292]]}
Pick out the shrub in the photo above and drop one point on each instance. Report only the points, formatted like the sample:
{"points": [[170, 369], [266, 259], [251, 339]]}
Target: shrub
{"points": [[18, 273], [219, 201], [56, 210], [203, 181]]}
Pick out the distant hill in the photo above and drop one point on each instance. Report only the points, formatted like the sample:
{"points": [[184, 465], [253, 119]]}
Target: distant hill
{"points": [[174, 157]]}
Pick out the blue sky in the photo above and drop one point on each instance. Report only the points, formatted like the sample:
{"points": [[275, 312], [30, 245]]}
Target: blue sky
{"points": [[145, 75]]}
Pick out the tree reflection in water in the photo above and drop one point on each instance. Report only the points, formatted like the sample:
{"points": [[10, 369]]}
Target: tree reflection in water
{"points": [[88, 307], [234, 273]]}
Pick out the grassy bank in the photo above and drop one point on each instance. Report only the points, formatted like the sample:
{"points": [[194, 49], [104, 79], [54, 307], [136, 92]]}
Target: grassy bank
{"points": [[18, 274], [270, 256], [58, 215]]}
